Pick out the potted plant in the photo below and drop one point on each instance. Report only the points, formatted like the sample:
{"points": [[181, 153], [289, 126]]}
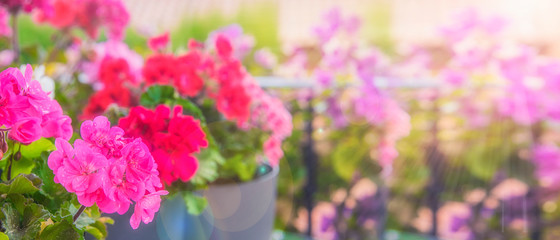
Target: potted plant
{"points": [[216, 138], [37, 188]]}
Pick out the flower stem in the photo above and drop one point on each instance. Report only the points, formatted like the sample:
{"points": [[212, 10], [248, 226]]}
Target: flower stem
{"points": [[10, 163], [82, 208], [15, 41]]}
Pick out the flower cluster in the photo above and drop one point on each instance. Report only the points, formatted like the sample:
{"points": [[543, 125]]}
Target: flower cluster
{"points": [[345, 61], [270, 115], [242, 43], [232, 96], [182, 71], [359, 204], [225, 83], [112, 71], [28, 111], [89, 15], [109, 170], [15, 6], [527, 83], [547, 161], [172, 138]]}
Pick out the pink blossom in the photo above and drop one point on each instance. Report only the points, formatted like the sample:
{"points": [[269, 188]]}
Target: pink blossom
{"points": [[21, 97], [64, 152], [6, 57], [90, 15], [273, 150], [119, 189], [265, 58], [146, 208], [26, 130], [325, 78], [139, 161], [5, 29], [107, 169], [100, 134], [26, 5], [334, 23], [82, 174], [158, 43], [241, 43], [112, 50], [547, 162], [55, 124]]}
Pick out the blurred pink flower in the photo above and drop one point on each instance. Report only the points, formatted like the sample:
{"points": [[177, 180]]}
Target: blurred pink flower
{"points": [[112, 50], [510, 188], [265, 58], [547, 162], [157, 43], [273, 150], [6, 57], [5, 29], [241, 43], [364, 188], [322, 217], [90, 15]]}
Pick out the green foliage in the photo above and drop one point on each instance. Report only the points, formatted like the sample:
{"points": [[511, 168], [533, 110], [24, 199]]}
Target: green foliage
{"points": [[23, 223], [158, 94], [35, 149], [209, 160], [59, 230], [195, 204], [241, 168], [31, 33], [21, 184]]}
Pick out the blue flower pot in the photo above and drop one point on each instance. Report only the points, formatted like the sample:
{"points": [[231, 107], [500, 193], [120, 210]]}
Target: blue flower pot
{"points": [[238, 211]]}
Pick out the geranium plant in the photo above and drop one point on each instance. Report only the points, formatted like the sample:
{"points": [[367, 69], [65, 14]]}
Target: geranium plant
{"points": [[34, 206], [53, 185], [201, 114]]}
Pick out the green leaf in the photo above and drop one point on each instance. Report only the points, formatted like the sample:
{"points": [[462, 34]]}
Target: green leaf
{"points": [[83, 221], [35, 149], [23, 183], [189, 108], [59, 230], [3, 236], [195, 204], [23, 166], [245, 170], [157, 94], [209, 160], [55, 194], [97, 229], [25, 226]]}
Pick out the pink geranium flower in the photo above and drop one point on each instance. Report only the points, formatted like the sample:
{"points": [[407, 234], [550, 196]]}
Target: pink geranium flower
{"points": [[144, 209], [82, 174], [26, 130], [107, 169], [26, 108]]}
